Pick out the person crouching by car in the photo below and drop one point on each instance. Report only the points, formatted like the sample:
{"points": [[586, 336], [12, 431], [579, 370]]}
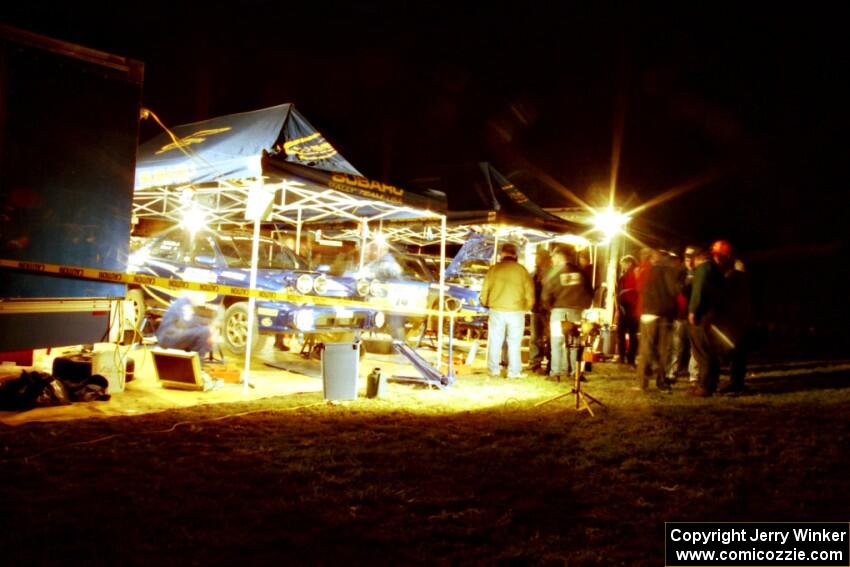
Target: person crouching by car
{"points": [[184, 327], [566, 293], [508, 292]]}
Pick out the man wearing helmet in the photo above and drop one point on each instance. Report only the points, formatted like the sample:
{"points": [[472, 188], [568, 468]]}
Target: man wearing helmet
{"points": [[734, 315], [719, 312]]}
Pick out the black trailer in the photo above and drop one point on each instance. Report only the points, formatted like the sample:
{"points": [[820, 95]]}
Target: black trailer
{"points": [[69, 119]]}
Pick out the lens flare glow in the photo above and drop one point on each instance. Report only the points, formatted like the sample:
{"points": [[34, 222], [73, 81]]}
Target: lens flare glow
{"points": [[610, 222], [194, 219]]}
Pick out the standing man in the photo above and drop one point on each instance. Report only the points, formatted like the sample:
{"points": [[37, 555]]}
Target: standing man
{"points": [[508, 292], [658, 303], [566, 292], [679, 351], [734, 319], [538, 346], [704, 305], [690, 268], [627, 310]]}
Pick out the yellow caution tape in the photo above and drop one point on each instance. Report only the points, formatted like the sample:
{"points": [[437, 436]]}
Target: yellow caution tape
{"points": [[131, 278]]}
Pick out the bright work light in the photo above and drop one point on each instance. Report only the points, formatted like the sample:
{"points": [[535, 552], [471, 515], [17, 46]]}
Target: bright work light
{"points": [[194, 219], [609, 222]]}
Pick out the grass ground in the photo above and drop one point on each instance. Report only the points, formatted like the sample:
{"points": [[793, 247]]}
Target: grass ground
{"points": [[476, 474]]}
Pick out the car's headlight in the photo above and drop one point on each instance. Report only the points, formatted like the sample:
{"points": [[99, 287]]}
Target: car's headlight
{"points": [[304, 284], [380, 318], [305, 319], [377, 289], [320, 284], [362, 287], [139, 257]]}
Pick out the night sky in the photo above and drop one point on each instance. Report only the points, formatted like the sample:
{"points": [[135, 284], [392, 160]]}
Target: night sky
{"points": [[752, 104]]}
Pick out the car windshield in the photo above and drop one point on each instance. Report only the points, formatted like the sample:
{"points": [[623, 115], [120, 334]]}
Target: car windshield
{"points": [[391, 267], [433, 266], [271, 255], [475, 267]]}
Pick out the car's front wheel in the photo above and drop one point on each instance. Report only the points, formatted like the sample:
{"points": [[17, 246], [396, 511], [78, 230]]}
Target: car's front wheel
{"points": [[235, 329]]}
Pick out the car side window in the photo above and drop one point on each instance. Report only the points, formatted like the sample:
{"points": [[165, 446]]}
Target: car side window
{"points": [[203, 253], [167, 249], [291, 261], [229, 251]]}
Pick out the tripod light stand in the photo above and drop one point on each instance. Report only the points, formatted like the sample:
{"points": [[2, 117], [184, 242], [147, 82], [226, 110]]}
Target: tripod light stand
{"points": [[577, 336]]}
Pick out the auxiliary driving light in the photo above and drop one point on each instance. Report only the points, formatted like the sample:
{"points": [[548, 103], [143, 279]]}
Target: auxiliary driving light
{"points": [[320, 284], [304, 284]]}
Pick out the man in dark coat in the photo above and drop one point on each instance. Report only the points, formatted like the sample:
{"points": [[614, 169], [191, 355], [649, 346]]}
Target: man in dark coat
{"points": [[538, 345], [704, 306], [733, 320], [627, 311], [659, 288], [566, 293]]}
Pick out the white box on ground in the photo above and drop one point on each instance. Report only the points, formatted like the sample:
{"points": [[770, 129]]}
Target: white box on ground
{"points": [[340, 368]]}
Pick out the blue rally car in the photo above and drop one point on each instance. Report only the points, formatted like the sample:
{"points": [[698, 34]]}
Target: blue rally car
{"points": [[225, 258], [409, 283]]}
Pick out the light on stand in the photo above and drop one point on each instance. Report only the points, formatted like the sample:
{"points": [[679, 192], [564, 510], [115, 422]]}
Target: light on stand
{"points": [[609, 222]]}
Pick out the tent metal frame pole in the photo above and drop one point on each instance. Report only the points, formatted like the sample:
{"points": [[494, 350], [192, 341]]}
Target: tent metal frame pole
{"points": [[615, 249], [298, 232], [442, 294], [252, 302], [364, 235]]}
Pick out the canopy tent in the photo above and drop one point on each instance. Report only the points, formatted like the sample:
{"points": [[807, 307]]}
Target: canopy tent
{"points": [[477, 194], [216, 164], [266, 165], [481, 199]]}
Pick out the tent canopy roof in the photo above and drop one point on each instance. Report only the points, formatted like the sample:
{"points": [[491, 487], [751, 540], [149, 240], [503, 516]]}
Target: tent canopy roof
{"points": [[478, 194], [217, 164]]}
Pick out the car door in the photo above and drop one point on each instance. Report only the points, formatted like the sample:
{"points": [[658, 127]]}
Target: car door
{"points": [[164, 258], [202, 263]]}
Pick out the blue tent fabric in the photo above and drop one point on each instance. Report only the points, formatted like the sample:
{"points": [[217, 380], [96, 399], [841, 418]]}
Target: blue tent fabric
{"points": [[277, 143], [477, 193], [232, 147]]}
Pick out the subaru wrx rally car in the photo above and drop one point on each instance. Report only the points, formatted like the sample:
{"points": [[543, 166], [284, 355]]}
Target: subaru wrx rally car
{"points": [[225, 258], [410, 284]]}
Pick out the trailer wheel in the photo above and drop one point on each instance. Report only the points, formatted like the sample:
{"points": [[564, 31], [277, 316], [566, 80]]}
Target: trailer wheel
{"points": [[137, 296]]}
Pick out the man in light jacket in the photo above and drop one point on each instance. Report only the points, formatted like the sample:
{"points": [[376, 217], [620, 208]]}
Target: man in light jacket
{"points": [[508, 292]]}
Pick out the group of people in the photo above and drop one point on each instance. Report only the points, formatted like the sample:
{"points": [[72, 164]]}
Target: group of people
{"points": [[676, 315], [684, 316], [558, 291]]}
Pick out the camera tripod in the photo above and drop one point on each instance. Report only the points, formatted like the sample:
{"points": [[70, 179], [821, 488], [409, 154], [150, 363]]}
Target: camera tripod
{"points": [[583, 399]]}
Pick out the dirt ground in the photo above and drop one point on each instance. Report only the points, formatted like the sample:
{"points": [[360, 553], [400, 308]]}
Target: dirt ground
{"points": [[473, 474]]}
